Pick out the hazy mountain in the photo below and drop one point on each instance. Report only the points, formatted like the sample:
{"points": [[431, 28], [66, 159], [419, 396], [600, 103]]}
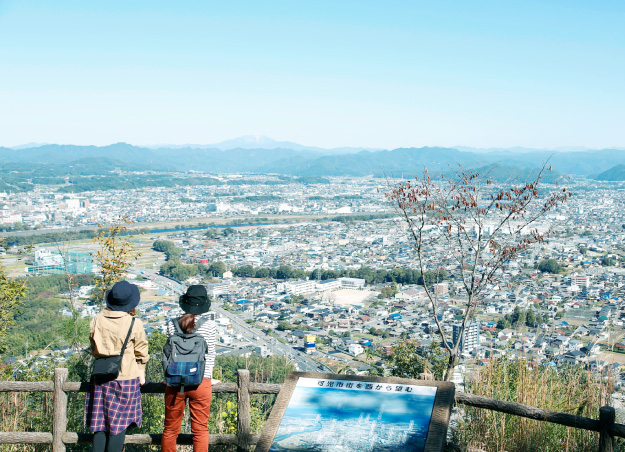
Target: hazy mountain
{"points": [[56, 153], [258, 142], [304, 162], [519, 149], [244, 142], [261, 142], [512, 150], [395, 163], [505, 173], [616, 173], [228, 161], [585, 163], [28, 145]]}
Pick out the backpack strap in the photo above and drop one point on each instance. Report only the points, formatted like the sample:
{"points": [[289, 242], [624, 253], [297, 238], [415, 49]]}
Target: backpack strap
{"points": [[177, 328], [199, 323], [132, 323]]}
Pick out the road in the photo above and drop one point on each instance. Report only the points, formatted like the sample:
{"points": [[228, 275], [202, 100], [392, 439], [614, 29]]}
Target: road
{"points": [[250, 334], [256, 337]]}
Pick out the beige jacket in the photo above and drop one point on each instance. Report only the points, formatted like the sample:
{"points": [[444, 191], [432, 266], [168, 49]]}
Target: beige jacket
{"points": [[108, 330]]}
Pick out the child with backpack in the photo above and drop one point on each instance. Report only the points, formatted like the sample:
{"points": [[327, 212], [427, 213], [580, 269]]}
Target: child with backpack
{"points": [[188, 360]]}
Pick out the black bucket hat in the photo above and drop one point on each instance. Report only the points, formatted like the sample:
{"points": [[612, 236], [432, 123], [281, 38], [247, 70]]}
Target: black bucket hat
{"points": [[123, 296], [195, 301]]}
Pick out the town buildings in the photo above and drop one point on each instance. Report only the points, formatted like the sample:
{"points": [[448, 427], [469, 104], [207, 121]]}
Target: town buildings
{"points": [[579, 311]]}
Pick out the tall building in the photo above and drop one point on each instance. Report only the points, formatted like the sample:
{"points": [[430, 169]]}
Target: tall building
{"points": [[441, 288], [471, 337]]}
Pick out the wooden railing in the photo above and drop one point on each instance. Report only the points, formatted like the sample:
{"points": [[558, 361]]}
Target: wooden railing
{"points": [[244, 438], [60, 387]]}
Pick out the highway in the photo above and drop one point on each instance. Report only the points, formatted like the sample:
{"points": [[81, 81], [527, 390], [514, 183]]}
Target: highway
{"points": [[256, 337], [250, 334]]}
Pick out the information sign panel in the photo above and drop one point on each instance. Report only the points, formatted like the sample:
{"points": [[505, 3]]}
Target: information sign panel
{"points": [[339, 413]]}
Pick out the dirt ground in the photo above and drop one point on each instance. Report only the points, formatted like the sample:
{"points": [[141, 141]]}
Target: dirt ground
{"points": [[612, 357], [351, 296], [150, 295]]}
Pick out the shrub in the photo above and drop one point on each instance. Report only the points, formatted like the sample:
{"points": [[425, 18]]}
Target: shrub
{"points": [[570, 390], [549, 266]]}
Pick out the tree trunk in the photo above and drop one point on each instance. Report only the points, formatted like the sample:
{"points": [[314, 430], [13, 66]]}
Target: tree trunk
{"points": [[451, 365]]}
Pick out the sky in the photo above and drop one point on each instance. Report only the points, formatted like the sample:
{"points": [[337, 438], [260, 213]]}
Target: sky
{"points": [[382, 74]]}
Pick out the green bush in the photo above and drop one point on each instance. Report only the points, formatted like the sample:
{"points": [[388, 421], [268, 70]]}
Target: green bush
{"points": [[549, 266]]}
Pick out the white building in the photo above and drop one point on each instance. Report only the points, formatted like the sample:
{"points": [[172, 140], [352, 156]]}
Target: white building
{"points": [[220, 289], [223, 321], [222, 207], [441, 288], [262, 351], [471, 337], [352, 283], [44, 256], [7, 217], [355, 349], [301, 287], [327, 285], [580, 281]]}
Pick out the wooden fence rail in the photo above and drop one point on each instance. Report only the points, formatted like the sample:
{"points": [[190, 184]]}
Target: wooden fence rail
{"points": [[244, 438]]}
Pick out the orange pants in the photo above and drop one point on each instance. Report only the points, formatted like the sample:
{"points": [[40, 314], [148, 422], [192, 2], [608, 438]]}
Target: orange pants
{"points": [[199, 406]]}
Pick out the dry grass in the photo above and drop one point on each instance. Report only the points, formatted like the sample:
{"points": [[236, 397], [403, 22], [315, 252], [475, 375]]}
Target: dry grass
{"points": [[25, 412], [571, 390]]}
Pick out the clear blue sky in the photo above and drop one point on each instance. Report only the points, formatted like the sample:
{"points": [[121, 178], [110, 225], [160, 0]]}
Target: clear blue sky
{"points": [[326, 73]]}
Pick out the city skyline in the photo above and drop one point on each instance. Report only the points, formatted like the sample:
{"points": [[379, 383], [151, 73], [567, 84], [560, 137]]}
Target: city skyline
{"points": [[328, 75]]}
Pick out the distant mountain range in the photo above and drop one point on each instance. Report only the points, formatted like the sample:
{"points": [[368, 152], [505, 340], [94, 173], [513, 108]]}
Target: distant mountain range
{"points": [[263, 142], [263, 155], [520, 149]]}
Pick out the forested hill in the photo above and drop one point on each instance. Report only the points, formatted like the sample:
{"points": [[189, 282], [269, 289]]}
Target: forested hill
{"points": [[70, 159], [616, 173]]}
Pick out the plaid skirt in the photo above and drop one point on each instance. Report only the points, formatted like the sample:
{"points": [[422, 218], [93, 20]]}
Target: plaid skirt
{"points": [[113, 406]]}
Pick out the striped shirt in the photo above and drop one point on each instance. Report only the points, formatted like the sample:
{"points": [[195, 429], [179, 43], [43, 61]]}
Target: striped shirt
{"points": [[208, 330]]}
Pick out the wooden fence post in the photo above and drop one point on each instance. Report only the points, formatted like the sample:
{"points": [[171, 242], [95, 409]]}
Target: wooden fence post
{"points": [[607, 415], [244, 419], [59, 422]]}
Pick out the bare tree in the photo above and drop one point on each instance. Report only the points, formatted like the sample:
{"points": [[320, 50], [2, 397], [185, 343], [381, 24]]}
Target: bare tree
{"points": [[74, 329], [469, 222]]}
